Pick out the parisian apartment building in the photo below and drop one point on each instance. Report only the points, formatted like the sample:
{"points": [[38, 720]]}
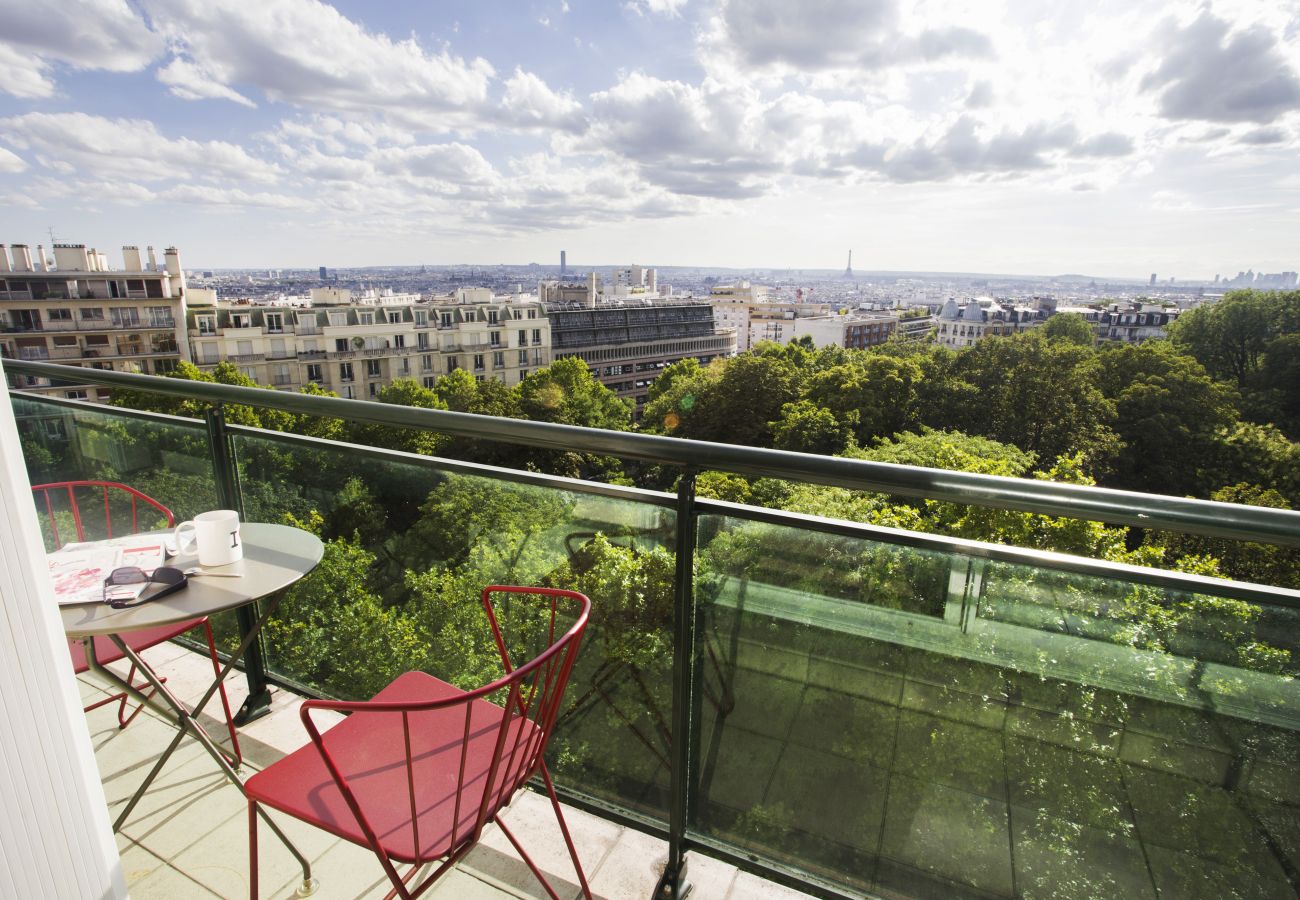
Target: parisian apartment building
{"points": [[72, 307], [628, 331], [964, 324], [1134, 323], [356, 344]]}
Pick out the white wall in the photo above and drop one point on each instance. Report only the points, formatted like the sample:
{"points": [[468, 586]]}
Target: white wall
{"points": [[55, 839]]}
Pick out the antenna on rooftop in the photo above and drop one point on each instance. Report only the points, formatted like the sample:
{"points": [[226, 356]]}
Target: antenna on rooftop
{"points": [[53, 239]]}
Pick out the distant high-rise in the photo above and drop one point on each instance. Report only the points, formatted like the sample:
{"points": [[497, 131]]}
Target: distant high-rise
{"points": [[1153, 277], [323, 274], [848, 270], [564, 264]]}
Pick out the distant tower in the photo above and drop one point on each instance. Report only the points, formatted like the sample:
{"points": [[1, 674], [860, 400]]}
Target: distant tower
{"points": [[324, 275], [564, 264], [1153, 277], [848, 270]]}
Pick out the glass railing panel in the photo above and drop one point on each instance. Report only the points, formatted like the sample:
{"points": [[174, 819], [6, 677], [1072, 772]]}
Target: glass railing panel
{"points": [[166, 459], [410, 544], [920, 723]]}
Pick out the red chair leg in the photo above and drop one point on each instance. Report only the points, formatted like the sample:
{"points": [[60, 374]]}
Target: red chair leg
{"points": [[564, 829], [122, 721], [527, 859], [238, 758], [252, 850], [107, 700]]}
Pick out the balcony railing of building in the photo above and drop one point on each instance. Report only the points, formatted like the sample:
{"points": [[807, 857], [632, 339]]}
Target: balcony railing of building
{"points": [[842, 707]]}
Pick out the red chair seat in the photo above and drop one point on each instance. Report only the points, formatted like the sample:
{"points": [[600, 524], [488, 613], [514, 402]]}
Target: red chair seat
{"points": [[106, 651], [370, 751]]}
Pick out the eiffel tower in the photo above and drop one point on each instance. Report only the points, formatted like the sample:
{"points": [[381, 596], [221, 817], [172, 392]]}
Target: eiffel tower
{"points": [[848, 270]]}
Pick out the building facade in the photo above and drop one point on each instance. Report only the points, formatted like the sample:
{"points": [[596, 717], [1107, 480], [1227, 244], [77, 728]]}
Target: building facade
{"points": [[356, 345], [626, 345], [856, 331], [963, 324], [1135, 323], [76, 310]]}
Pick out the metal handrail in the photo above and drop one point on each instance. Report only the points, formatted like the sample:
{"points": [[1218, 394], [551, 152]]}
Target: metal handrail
{"points": [[1205, 517]]}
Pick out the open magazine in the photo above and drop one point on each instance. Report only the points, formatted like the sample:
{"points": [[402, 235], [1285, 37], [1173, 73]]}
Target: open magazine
{"points": [[78, 570]]}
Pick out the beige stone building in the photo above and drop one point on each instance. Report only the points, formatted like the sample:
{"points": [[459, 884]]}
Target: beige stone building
{"points": [[73, 308], [356, 344]]}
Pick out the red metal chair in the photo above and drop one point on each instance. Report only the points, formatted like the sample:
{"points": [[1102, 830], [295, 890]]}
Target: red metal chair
{"points": [[51, 498], [418, 771]]}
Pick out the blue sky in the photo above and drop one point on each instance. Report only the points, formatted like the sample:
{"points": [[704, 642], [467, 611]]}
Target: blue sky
{"points": [[1117, 137]]}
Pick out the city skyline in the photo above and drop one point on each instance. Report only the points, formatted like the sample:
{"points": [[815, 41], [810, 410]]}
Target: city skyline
{"points": [[1115, 142]]}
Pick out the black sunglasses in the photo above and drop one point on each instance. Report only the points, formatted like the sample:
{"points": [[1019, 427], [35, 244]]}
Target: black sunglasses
{"points": [[172, 579]]}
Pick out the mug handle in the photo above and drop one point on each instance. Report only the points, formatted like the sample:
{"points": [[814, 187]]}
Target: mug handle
{"points": [[181, 548]]}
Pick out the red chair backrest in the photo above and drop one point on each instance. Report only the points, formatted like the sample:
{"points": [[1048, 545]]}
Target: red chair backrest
{"points": [[50, 498], [530, 695]]}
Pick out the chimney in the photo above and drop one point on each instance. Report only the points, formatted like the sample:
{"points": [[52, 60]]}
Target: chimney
{"points": [[153, 261], [172, 260], [40, 258], [131, 259], [4, 259], [652, 280], [591, 290], [22, 258], [71, 258]]}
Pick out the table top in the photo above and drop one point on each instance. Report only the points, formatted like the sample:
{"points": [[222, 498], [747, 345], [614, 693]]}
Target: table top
{"points": [[275, 556]]}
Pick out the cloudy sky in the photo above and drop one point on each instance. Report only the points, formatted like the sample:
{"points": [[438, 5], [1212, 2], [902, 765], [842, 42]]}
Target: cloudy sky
{"points": [[1114, 137]]}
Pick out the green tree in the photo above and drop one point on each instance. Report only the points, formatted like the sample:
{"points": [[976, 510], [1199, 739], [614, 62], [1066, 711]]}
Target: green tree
{"points": [[1037, 394], [733, 401], [805, 427], [566, 392], [1069, 327], [1169, 415], [1230, 337], [401, 392]]}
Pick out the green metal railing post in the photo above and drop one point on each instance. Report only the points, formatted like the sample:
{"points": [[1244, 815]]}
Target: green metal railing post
{"points": [[673, 884], [229, 495]]}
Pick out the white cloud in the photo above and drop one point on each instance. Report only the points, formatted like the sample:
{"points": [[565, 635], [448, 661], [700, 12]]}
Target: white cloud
{"points": [[10, 162], [84, 34], [305, 53], [189, 82], [815, 35], [528, 101], [207, 195], [24, 75], [1216, 73], [84, 145], [453, 163], [653, 7]]}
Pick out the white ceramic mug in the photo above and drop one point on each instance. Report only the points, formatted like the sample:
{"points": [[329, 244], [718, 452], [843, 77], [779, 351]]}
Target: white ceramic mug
{"points": [[216, 536]]}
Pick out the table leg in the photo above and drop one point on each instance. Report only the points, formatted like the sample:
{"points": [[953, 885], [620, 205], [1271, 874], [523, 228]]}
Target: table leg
{"points": [[186, 721]]}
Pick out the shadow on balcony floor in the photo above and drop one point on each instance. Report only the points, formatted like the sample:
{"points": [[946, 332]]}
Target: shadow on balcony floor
{"points": [[188, 836]]}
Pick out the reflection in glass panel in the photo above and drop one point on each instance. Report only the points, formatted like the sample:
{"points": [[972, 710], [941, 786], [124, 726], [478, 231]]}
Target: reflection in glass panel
{"points": [[409, 548], [166, 460], [972, 729]]}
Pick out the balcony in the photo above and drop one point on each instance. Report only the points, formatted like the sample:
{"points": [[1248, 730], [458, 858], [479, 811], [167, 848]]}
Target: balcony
{"points": [[856, 709]]}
